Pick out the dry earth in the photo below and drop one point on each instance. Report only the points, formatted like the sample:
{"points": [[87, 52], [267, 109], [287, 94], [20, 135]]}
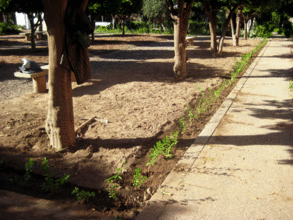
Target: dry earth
{"points": [[134, 89]]}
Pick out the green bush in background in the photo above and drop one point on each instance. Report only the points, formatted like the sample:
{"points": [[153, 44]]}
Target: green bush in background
{"points": [[8, 28]]}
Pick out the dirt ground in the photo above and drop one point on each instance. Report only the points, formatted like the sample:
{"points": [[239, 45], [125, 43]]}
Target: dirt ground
{"points": [[133, 88]]}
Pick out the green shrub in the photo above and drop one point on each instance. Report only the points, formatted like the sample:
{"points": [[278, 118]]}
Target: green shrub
{"points": [[198, 28], [264, 31], [8, 28]]}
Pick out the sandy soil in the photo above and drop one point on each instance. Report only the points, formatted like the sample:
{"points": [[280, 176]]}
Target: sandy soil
{"points": [[134, 89]]}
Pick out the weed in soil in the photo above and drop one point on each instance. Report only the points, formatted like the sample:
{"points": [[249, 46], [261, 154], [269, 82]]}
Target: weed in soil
{"points": [[112, 182], [28, 169], [83, 195], [138, 178], [50, 183]]}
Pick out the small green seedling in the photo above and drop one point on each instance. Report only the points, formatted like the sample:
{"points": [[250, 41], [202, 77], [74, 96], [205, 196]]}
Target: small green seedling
{"points": [[83, 195], [191, 115], [28, 169], [138, 178], [163, 147], [112, 192], [50, 183], [181, 125], [116, 176]]}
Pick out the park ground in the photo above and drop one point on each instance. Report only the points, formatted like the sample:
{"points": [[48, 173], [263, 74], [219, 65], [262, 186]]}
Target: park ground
{"points": [[134, 89]]}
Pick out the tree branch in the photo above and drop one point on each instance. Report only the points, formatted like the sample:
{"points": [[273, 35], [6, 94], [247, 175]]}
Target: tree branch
{"points": [[188, 8], [171, 8]]}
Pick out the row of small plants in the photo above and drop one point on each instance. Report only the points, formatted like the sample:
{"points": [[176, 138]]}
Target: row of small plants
{"points": [[164, 146]]}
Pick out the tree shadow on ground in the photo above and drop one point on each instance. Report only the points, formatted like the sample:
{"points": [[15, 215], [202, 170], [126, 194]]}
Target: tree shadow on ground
{"points": [[282, 131], [104, 76]]}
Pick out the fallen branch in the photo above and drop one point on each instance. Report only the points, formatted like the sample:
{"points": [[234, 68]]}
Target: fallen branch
{"points": [[78, 130]]}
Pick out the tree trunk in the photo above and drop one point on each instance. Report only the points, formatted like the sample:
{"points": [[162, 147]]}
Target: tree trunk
{"points": [[245, 28], [113, 21], [238, 23], [180, 18], [32, 24], [180, 22], [180, 50], [253, 25], [226, 25], [213, 31], [211, 11], [123, 28], [41, 22], [233, 32], [5, 17], [60, 120]]}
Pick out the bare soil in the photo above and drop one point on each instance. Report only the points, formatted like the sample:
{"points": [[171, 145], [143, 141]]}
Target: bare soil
{"points": [[133, 88]]}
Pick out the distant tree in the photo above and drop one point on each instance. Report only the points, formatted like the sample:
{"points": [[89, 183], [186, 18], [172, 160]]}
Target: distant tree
{"points": [[32, 9], [180, 14], [122, 9], [156, 9], [211, 8]]}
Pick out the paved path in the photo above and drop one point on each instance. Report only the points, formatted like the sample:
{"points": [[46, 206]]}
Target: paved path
{"points": [[241, 165]]}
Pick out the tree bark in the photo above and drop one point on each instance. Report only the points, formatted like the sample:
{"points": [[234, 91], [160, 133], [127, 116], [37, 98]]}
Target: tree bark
{"points": [[181, 19], [60, 120], [232, 31], [213, 33], [236, 33], [211, 9], [238, 24], [180, 50]]}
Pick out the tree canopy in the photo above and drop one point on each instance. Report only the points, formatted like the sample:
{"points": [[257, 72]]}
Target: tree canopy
{"points": [[155, 8]]}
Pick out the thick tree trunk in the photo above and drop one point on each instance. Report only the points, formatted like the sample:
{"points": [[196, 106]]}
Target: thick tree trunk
{"points": [[60, 120], [180, 31], [180, 18], [180, 51], [213, 33]]}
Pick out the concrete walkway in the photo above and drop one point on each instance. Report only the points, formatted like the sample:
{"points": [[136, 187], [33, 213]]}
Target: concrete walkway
{"points": [[241, 165]]}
